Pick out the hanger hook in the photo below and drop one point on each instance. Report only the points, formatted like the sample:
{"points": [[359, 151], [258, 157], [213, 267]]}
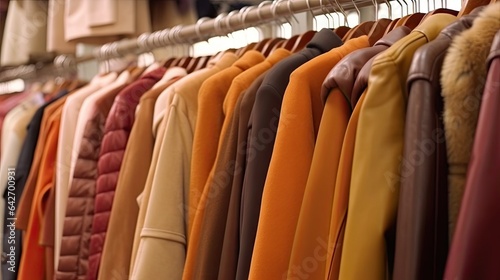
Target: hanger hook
{"points": [[197, 27], [308, 3]]}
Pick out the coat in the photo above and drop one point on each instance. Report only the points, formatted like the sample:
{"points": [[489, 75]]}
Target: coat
{"points": [[25, 33], [462, 99], [38, 261], [319, 192], [104, 21], [375, 179], [475, 247], [216, 207], [290, 163], [69, 120], [23, 168], [73, 259], [230, 249], [163, 237], [117, 250], [211, 122], [264, 119], [116, 132], [422, 228]]}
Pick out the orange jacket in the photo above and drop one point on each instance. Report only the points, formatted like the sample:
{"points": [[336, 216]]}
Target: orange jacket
{"points": [[289, 168]]}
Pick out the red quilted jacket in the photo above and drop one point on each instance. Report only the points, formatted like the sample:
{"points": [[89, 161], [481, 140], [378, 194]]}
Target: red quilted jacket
{"points": [[116, 133]]}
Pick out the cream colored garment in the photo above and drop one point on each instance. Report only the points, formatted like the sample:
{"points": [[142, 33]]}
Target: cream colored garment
{"points": [[25, 31], [86, 112], [163, 237], [55, 29], [65, 152], [13, 134], [103, 21]]}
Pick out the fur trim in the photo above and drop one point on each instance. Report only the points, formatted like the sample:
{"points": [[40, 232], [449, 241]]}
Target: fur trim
{"points": [[463, 78]]}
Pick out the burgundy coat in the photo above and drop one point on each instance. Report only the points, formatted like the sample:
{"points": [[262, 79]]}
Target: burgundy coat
{"points": [[116, 133]]}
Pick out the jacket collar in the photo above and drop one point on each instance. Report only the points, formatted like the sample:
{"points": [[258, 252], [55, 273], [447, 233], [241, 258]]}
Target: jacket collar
{"points": [[344, 74]]}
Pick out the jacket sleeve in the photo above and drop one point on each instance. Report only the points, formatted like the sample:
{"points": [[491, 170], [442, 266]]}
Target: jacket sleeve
{"points": [[73, 261], [162, 247]]}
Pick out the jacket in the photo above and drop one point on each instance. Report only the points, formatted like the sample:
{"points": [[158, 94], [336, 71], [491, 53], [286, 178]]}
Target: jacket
{"points": [[216, 207], [104, 21], [29, 192], [206, 139], [262, 127], [25, 33], [475, 234], [7, 103], [289, 167], [116, 131], [73, 259], [160, 117], [23, 168], [320, 188], [213, 120], [163, 237], [38, 262], [230, 248], [422, 231], [368, 242], [115, 260], [69, 120], [15, 132], [462, 99]]}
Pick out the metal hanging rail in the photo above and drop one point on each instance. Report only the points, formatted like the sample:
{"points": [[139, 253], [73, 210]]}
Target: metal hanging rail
{"points": [[267, 11]]}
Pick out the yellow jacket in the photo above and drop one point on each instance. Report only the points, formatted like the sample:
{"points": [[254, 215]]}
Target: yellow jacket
{"points": [[377, 170]]}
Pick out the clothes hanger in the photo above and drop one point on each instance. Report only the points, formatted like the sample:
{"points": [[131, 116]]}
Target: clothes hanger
{"points": [[303, 40], [341, 31], [392, 25], [270, 46], [439, 11], [289, 43], [360, 30], [411, 21], [363, 28], [378, 30]]}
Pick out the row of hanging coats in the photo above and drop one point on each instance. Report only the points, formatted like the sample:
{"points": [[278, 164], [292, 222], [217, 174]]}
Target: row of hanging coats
{"points": [[318, 157]]}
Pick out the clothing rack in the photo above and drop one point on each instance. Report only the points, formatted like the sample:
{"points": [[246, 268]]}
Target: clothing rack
{"points": [[206, 28]]}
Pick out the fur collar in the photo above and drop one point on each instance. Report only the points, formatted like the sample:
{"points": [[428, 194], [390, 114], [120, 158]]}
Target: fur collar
{"points": [[463, 78]]}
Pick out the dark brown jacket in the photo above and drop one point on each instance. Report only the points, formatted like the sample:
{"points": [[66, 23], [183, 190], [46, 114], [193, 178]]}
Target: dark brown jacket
{"points": [[230, 248], [421, 236]]}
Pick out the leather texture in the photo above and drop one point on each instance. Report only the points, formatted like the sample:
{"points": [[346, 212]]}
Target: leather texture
{"points": [[422, 232], [373, 199], [339, 201], [475, 248]]}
